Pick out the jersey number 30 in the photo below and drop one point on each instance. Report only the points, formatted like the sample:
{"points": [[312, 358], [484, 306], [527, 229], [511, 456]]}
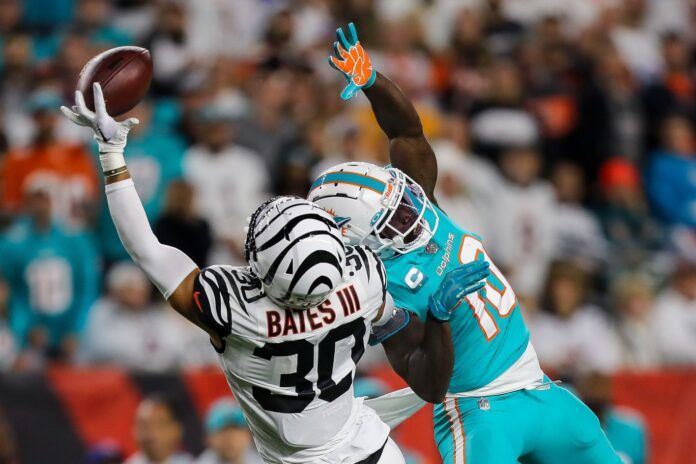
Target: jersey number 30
{"points": [[496, 296], [304, 350]]}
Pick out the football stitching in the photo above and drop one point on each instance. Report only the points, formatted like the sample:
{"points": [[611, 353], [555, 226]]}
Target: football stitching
{"points": [[116, 71]]}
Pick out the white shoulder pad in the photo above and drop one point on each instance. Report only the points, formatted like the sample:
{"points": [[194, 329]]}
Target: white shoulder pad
{"points": [[223, 293]]}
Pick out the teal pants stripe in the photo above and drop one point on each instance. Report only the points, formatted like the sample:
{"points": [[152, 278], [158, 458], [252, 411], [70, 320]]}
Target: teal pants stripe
{"points": [[544, 426]]}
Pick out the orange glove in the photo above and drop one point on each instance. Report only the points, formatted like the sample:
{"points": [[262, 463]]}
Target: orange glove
{"points": [[353, 62]]}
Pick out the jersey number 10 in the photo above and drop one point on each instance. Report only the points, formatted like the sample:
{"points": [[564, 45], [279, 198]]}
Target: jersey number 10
{"points": [[496, 296]]}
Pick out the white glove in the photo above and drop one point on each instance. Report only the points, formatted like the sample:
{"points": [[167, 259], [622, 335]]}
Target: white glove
{"points": [[111, 135]]}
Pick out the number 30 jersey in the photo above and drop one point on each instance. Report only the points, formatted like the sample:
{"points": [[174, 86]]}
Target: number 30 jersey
{"points": [[292, 371]]}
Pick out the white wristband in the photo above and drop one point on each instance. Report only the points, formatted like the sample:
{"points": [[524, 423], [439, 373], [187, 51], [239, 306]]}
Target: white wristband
{"points": [[111, 161]]}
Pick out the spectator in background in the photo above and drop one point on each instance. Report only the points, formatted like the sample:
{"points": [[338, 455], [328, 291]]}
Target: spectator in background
{"points": [[573, 336], [93, 18], [632, 233], [135, 16], [521, 220], [469, 58], [64, 171], [620, 107], [52, 276], [674, 90], [222, 83], [124, 328], [400, 57], [632, 302], [10, 17], [466, 184], [169, 45], [179, 225], [212, 23], [578, 233], [8, 346], [499, 119], [228, 436], [546, 61], [155, 158], [41, 16], [267, 129], [343, 140], [502, 31], [675, 317], [639, 47], [71, 54], [158, 433], [672, 174], [8, 449], [16, 79], [625, 428], [230, 181], [297, 163]]}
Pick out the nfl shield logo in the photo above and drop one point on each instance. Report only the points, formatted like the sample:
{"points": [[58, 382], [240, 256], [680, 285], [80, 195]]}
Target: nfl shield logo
{"points": [[432, 248], [483, 404]]}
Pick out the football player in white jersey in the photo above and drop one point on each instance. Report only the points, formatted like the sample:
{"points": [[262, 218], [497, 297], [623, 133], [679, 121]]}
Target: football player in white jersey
{"points": [[291, 327]]}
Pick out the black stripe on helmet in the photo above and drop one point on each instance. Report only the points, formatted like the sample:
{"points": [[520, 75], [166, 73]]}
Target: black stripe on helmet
{"points": [[301, 202], [314, 258], [318, 281], [268, 278], [291, 224]]}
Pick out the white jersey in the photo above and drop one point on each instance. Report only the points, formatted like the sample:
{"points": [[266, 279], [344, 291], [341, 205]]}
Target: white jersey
{"points": [[292, 371]]}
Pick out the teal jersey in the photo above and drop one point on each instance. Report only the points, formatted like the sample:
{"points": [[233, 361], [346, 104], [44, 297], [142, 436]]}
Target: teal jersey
{"points": [[627, 434], [488, 332], [53, 276]]}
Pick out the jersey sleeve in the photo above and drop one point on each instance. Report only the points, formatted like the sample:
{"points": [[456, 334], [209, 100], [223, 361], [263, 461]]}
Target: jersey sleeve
{"points": [[214, 294], [371, 275], [410, 288], [392, 321]]}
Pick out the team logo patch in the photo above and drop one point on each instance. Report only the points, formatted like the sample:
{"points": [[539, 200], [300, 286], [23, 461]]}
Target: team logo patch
{"points": [[431, 248], [484, 404], [388, 192], [376, 217]]}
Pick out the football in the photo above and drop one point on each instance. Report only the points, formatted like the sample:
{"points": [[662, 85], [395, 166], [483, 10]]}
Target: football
{"points": [[124, 74]]}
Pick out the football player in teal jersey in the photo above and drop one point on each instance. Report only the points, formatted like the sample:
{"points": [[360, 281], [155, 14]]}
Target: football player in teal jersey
{"points": [[500, 407]]}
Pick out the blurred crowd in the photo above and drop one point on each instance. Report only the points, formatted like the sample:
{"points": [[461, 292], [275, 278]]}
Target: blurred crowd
{"points": [[564, 133], [159, 431]]}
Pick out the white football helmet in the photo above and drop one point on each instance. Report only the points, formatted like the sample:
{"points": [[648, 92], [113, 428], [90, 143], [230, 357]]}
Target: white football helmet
{"points": [[380, 207], [294, 247]]}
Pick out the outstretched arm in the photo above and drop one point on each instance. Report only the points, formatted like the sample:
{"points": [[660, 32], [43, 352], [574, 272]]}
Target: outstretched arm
{"points": [[409, 150], [168, 268], [422, 352]]}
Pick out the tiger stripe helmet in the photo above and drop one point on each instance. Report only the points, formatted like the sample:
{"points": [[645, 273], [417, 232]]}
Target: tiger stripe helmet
{"points": [[294, 247]]}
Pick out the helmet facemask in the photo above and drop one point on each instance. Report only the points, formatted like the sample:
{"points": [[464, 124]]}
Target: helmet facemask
{"points": [[401, 226]]}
